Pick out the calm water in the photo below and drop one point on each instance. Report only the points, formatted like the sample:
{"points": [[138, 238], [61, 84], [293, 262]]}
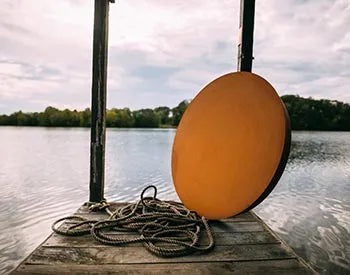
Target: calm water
{"points": [[44, 174]]}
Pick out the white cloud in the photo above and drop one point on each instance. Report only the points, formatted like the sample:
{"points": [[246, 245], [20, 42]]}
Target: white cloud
{"points": [[162, 52], [302, 45]]}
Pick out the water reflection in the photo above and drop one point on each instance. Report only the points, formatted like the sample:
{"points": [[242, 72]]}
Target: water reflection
{"points": [[326, 147], [44, 175], [310, 207]]}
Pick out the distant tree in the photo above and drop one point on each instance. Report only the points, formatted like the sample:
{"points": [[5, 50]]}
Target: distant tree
{"points": [[120, 118], [23, 119], [125, 118], [164, 114], [34, 118], [85, 118], [311, 114], [146, 118], [178, 111], [5, 120], [111, 117], [49, 117]]}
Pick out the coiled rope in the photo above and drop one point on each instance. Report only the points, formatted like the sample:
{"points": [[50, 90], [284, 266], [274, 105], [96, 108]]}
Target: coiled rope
{"points": [[166, 228]]}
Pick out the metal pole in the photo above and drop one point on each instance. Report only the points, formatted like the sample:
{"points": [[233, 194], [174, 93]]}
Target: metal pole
{"points": [[246, 31], [98, 102]]}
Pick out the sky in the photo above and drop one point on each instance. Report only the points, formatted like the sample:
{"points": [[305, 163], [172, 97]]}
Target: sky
{"points": [[162, 52]]}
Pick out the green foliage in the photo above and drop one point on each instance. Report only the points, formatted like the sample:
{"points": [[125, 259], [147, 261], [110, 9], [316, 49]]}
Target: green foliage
{"points": [[120, 118], [85, 118], [311, 114], [164, 114], [178, 111], [305, 114], [146, 118]]}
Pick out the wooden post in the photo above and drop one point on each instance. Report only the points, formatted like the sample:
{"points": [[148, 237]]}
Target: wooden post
{"points": [[246, 31], [98, 103]]}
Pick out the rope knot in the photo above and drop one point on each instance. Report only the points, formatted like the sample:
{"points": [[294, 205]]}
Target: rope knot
{"points": [[97, 206]]}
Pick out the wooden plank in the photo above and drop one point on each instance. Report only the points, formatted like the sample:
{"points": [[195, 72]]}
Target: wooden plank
{"points": [[134, 255], [221, 239], [243, 246], [247, 216], [286, 267], [228, 239], [218, 226]]}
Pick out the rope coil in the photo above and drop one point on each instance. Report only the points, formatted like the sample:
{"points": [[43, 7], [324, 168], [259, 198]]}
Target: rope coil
{"points": [[166, 228]]}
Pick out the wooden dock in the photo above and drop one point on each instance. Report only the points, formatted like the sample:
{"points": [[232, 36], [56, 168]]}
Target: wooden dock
{"points": [[244, 245]]}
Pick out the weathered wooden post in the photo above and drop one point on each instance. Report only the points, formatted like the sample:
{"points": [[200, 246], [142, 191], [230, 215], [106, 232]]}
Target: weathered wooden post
{"points": [[246, 31], [98, 102]]}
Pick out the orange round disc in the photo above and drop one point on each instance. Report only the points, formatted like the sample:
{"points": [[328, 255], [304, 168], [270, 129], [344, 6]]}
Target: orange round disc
{"points": [[231, 146]]}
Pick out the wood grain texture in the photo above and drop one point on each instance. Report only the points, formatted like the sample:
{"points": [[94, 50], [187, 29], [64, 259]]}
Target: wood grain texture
{"points": [[136, 255], [98, 100], [221, 239], [244, 245], [286, 267], [218, 226]]}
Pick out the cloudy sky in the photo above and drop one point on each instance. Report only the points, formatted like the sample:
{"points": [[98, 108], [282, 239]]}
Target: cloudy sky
{"points": [[162, 52]]}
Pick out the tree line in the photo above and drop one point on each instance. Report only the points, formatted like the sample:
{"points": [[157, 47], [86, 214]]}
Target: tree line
{"points": [[312, 114], [53, 117], [305, 114]]}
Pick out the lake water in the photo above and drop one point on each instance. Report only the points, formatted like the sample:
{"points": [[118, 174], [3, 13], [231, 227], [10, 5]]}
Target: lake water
{"points": [[44, 175]]}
